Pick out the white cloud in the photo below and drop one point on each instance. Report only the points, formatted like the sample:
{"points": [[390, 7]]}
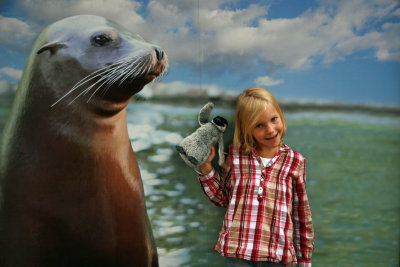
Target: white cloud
{"points": [[218, 20], [242, 38], [10, 72], [15, 33], [7, 87], [182, 88], [267, 81], [357, 26], [19, 35], [216, 35], [47, 11]]}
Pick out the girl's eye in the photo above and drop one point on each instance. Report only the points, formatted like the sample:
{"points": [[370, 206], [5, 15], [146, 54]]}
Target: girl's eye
{"points": [[274, 119], [259, 125]]}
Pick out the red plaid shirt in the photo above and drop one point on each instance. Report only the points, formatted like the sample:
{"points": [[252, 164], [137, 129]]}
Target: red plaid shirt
{"points": [[268, 216]]}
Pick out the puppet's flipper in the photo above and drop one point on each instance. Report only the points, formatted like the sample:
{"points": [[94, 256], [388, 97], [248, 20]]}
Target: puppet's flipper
{"points": [[221, 150], [181, 150], [187, 158], [193, 160], [205, 112]]}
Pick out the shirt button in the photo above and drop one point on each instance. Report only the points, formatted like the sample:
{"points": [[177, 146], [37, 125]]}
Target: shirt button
{"points": [[260, 190]]}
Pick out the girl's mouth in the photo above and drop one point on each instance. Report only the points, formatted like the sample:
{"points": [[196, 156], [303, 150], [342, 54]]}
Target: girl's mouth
{"points": [[272, 139]]}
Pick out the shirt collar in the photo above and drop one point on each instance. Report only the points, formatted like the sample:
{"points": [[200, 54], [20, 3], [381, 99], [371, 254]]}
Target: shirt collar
{"points": [[283, 148]]}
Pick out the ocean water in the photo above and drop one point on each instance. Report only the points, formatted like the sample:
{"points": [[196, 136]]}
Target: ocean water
{"points": [[353, 184]]}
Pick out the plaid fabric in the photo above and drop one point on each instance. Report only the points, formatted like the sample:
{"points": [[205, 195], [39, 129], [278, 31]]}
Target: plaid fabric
{"points": [[268, 216]]}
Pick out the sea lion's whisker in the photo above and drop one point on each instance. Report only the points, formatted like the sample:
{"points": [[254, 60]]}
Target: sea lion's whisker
{"points": [[102, 80], [106, 78], [81, 82], [126, 71], [84, 92], [120, 76], [103, 73], [109, 82], [97, 89], [92, 76], [121, 70], [133, 72]]}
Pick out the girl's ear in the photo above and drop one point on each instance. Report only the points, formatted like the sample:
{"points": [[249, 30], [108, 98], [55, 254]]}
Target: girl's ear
{"points": [[52, 47]]}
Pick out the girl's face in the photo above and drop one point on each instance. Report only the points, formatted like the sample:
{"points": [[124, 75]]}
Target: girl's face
{"points": [[268, 132]]}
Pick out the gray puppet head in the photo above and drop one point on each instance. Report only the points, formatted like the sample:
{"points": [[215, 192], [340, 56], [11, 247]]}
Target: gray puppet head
{"points": [[195, 148]]}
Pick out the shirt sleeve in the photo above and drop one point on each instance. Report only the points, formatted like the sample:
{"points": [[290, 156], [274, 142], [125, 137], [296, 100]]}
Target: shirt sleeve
{"points": [[303, 230], [216, 185]]}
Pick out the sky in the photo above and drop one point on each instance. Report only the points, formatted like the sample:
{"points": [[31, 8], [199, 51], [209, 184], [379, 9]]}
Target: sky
{"points": [[344, 51]]}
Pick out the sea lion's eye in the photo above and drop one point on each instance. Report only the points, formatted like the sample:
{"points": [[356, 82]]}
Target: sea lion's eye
{"points": [[101, 40]]}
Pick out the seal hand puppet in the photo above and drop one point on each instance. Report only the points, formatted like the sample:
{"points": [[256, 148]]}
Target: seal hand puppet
{"points": [[195, 148]]}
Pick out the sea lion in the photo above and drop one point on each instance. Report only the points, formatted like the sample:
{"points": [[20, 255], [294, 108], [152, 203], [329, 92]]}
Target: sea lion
{"points": [[71, 190]]}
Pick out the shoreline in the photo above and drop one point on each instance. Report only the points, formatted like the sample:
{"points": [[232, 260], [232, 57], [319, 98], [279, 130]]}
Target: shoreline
{"points": [[6, 100], [286, 105]]}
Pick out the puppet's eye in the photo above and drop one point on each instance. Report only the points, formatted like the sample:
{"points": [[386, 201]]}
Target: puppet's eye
{"points": [[101, 39]]}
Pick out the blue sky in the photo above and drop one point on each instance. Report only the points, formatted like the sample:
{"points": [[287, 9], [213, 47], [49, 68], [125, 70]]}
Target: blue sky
{"points": [[345, 51]]}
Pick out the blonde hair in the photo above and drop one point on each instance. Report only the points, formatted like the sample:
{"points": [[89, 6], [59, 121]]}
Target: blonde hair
{"points": [[250, 104]]}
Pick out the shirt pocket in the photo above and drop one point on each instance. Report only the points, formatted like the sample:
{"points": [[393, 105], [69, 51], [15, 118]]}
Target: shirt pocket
{"points": [[279, 191], [243, 195]]}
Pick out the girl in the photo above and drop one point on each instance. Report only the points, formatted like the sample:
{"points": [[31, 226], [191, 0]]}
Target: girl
{"points": [[263, 184]]}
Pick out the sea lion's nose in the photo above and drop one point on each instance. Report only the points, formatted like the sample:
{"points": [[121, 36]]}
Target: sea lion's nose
{"points": [[159, 53]]}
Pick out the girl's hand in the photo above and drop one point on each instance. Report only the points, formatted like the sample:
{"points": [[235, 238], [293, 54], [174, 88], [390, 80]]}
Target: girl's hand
{"points": [[206, 167]]}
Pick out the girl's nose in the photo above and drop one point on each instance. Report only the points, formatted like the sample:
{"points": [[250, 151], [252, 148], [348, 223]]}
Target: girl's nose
{"points": [[270, 129]]}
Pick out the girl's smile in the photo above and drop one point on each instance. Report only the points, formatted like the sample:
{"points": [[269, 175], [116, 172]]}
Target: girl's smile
{"points": [[268, 132], [272, 139]]}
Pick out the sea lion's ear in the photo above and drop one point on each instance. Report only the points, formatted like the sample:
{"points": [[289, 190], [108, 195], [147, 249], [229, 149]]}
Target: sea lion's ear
{"points": [[52, 47]]}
